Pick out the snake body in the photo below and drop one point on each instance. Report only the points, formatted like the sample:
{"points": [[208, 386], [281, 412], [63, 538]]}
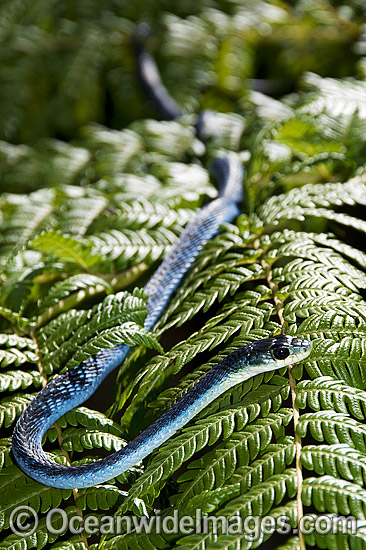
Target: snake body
{"points": [[74, 387]]}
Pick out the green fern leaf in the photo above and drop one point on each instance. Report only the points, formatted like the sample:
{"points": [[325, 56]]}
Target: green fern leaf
{"points": [[12, 407], [334, 428], [338, 460], [195, 492], [327, 393], [13, 380], [179, 449], [341, 360], [39, 497], [5, 448], [135, 541], [67, 249], [344, 537], [105, 326], [14, 356], [70, 545], [43, 535], [84, 286], [330, 494], [101, 497], [80, 439], [257, 502], [131, 247], [82, 416]]}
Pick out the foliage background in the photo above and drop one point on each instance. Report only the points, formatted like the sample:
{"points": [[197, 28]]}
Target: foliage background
{"points": [[94, 191]]}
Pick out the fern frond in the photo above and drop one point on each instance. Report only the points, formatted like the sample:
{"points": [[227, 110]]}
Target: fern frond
{"points": [[84, 286], [194, 484], [338, 98], [133, 541], [5, 448], [12, 407], [344, 537], [167, 138], [101, 497], [113, 150], [80, 439], [18, 342], [256, 502], [28, 216], [106, 325], [158, 209], [13, 352], [28, 492], [43, 535], [334, 428], [13, 380], [179, 449], [326, 393], [127, 333], [131, 247], [314, 200], [82, 416], [290, 544], [220, 464], [331, 356], [335, 495], [75, 544], [337, 460], [67, 249]]}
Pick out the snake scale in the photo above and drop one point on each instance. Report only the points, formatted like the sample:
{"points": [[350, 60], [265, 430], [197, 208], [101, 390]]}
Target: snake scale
{"points": [[74, 387]]}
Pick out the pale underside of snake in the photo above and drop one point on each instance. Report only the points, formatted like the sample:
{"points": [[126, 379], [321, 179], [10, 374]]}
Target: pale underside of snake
{"points": [[74, 387]]}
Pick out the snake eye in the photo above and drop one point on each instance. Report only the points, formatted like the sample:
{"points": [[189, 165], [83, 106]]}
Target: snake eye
{"points": [[281, 353]]}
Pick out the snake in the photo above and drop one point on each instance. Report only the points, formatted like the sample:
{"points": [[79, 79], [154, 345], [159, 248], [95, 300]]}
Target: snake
{"points": [[69, 390]]}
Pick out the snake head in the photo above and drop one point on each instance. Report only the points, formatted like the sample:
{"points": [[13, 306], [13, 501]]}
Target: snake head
{"points": [[278, 351], [264, 355]]}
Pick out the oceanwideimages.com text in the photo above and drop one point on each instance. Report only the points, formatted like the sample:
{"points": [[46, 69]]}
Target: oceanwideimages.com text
{"points": [[24, 521]]}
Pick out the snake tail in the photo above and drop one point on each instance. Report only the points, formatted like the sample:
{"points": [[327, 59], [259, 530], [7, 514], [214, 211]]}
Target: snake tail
{"points": [[150, 79]]}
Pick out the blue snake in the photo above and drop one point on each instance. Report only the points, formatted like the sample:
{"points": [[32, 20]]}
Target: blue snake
{"points": [[74, 387]]}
